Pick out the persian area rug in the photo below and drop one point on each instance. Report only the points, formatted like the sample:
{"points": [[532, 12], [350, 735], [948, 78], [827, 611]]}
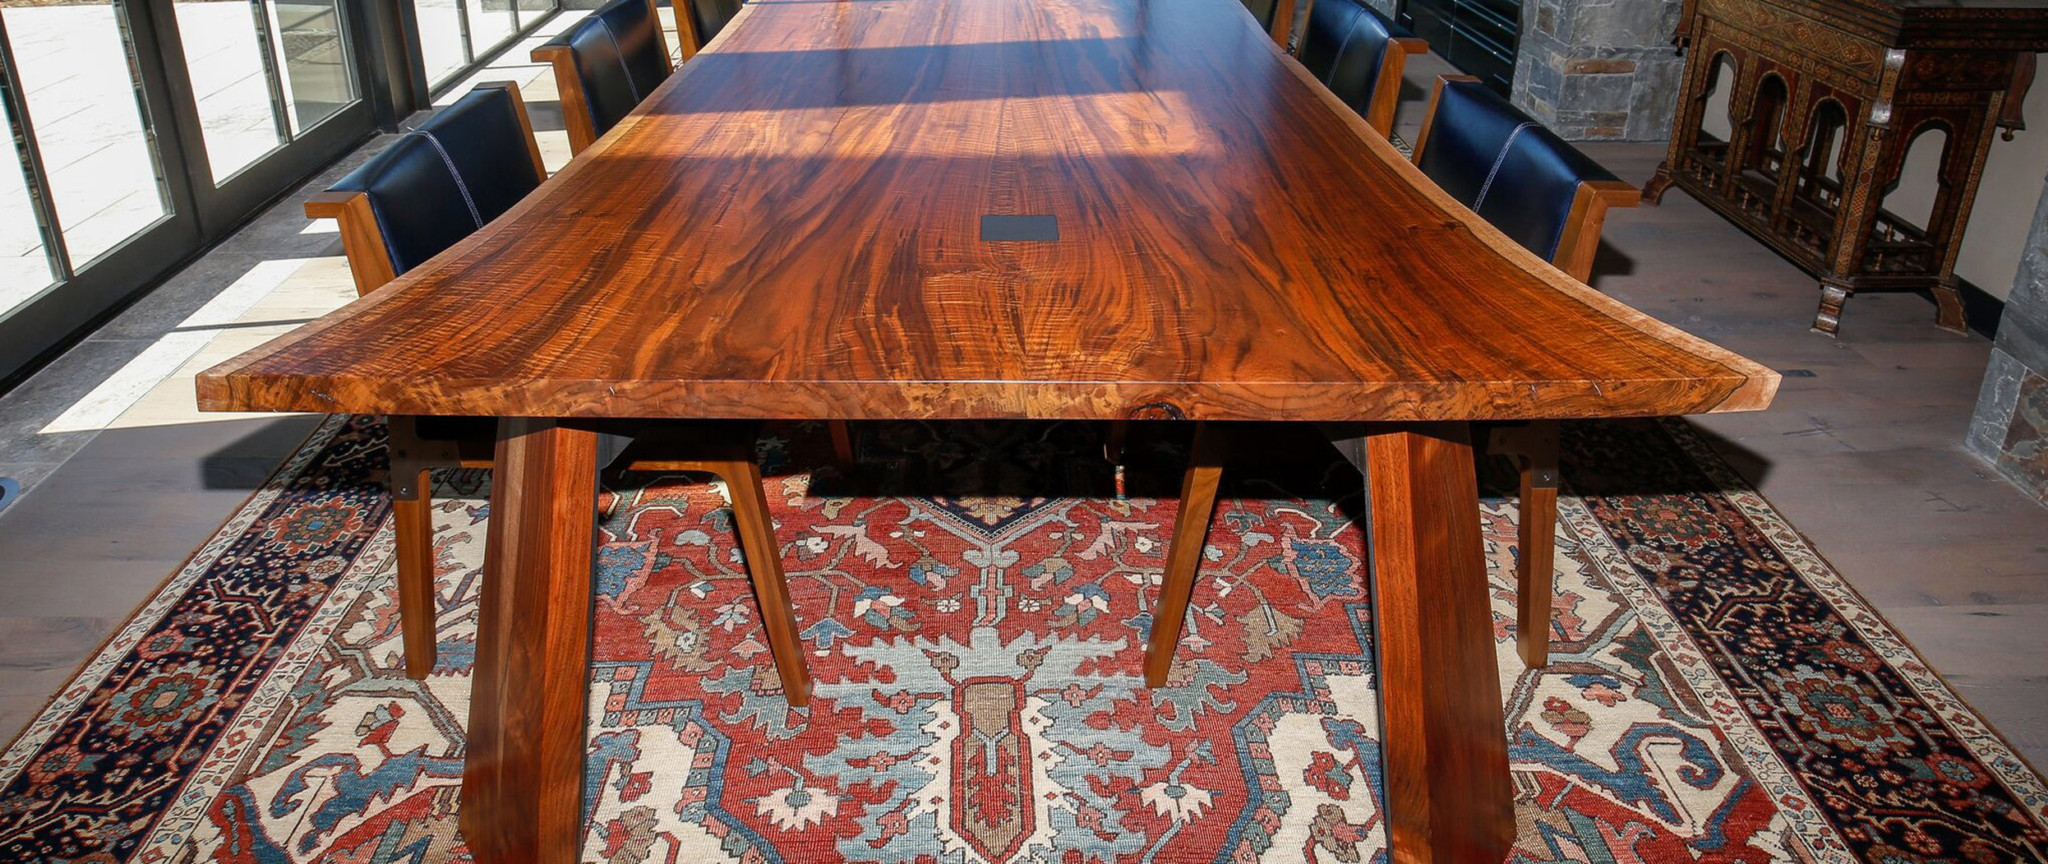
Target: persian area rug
{"points": [[976, 606]]}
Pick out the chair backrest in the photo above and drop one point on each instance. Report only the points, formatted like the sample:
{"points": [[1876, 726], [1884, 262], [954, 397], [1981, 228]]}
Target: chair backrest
{"points": [[1359, 55], [604, 66], [1518, 176], [435, 185], [704, 18]]}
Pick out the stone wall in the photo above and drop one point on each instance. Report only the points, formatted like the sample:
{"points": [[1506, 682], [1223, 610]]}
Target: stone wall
{"points": [[1600, 70], [2010, 429]]}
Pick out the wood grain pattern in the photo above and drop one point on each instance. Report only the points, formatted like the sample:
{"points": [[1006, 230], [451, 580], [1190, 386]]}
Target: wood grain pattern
{"points": [[788, 228], [522, 779], [1448, 798]]}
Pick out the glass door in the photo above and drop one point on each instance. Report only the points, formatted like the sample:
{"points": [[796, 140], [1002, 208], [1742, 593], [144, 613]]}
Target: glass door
{"points": [[142, 130], [455, 35], [87, 188], [274, 94]]}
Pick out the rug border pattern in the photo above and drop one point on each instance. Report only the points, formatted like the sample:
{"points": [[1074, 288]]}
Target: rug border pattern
{"points": [[1962, 720], [140, 624], [1811, 826], [212, 773]]}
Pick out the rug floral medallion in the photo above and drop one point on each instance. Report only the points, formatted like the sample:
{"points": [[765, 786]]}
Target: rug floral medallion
{"points": [[976, 606]]}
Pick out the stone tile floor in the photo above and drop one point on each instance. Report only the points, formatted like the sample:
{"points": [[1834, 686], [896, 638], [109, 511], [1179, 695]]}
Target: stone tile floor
{"points": [[124, 477]]}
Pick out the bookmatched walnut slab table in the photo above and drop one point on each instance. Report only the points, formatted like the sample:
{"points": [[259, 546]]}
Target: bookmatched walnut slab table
{"points": [[950, 209]]}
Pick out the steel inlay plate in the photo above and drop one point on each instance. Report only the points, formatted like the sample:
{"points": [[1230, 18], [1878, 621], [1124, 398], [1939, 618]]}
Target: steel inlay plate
{"points": [[997, 228]]}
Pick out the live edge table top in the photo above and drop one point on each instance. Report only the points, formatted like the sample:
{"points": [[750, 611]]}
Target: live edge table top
{"points": [[792, 227]]}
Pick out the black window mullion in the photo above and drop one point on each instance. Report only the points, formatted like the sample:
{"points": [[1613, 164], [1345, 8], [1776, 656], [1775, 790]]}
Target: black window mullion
{"points": [[462, 24], [35, 177], [273, 75]]}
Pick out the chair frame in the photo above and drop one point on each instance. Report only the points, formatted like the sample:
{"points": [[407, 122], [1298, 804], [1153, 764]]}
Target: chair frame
{"points": [[1533, 446], [413, 457], [1386, 89], [569, 86]]}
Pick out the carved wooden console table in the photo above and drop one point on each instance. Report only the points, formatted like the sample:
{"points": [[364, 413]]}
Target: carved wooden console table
{"points": [[1827, 97]]}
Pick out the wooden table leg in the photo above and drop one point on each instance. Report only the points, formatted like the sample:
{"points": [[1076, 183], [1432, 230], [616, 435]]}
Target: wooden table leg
{"points": [[1534, 447], [842, 446], [764, 567], [412, 519], [412, 522], [1448, 798], [522, 784], [1184, 554]]}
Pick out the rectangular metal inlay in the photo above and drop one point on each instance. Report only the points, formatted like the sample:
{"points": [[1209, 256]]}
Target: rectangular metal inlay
{"points": [[1000, 228]]}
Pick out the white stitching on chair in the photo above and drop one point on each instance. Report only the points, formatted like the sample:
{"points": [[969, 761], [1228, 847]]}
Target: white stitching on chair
{"points": [[450, 162], [632, 85], [1497, 160], [1350, 30]]}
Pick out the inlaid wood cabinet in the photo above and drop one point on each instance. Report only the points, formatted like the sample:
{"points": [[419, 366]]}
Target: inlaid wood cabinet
{"points": [[1825, 99]]}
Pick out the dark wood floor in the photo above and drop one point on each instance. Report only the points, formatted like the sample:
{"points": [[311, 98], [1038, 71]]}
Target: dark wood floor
{"points": [[1863, 455]]}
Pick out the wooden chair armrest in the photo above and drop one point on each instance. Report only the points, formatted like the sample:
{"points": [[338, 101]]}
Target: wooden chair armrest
{"points": [[1616, 193], [369, 260], [1581, 240], [1386, 89], [329, 204], [575, 109]]}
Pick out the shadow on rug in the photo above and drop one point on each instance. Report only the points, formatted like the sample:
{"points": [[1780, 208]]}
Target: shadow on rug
{"points": [[976, 605]]}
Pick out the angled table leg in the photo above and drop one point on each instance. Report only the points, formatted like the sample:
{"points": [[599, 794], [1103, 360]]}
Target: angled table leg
{"points": [[1184, 554], [522, 783], [727, 450], [1448, 798], [764, 567]]}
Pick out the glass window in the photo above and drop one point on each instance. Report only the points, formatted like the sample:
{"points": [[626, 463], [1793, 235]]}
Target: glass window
{"points": [[262, 72], [224, 55], [490, 22], [24, 263], [83, 101], [441, 47], [317, 78]]}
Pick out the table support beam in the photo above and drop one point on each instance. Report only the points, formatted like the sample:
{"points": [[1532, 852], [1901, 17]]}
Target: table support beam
{"points": [[522, 784], [1448, 798]]}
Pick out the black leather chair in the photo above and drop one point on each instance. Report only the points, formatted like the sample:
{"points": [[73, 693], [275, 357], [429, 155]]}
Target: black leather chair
{"points": [[1548, 197], [431, 188], [1359, 55], [699, 20], [605, 65], [1518, 176], [436, 184]]}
